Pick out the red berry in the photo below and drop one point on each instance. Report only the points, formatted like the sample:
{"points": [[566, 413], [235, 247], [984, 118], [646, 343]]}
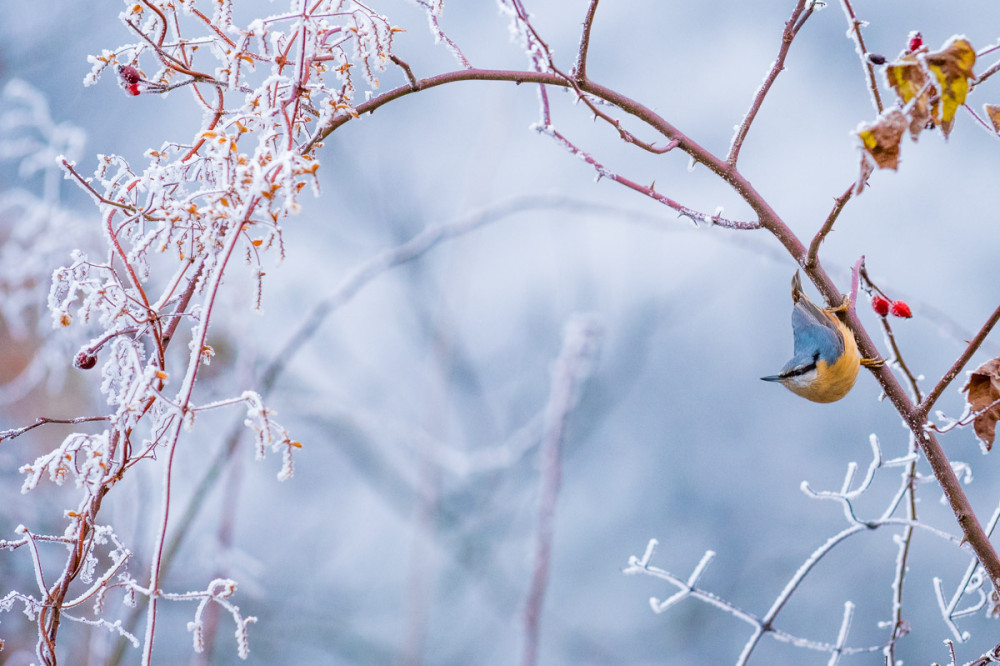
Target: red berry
{"points": [[133, 89], [881, 305], [916, 41], [85, 361], [129, 74], [900, 309]]}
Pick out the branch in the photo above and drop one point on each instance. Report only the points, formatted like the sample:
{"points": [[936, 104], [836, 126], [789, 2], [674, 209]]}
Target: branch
{"points": [[792, 26], [649, 191], [42, 420], [439, 34], [687, 588], [406, 69], [580, 68], [862, 51], [571, 370], [827, 227], [974, 344]]}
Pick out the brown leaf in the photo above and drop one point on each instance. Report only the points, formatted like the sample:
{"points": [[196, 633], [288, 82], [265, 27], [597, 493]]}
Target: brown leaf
{"points": [[952, 66], [881, 138], [982, 390], [993, 111]]}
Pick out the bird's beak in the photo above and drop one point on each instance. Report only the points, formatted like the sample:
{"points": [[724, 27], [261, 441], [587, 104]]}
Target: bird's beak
{"points": [[773, 378]]}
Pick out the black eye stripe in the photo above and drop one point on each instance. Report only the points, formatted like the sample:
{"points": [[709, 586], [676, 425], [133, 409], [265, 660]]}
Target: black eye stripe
{"points": [[804, 369], [800, 371]]}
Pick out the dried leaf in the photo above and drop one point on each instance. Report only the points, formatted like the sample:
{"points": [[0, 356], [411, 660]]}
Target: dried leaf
{"points": [[982, 391], [952, 66], [908, 78], [993, 111], [881, 138]]}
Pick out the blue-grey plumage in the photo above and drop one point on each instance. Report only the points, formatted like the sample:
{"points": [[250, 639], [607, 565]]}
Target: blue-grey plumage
{"points": [[825, 361]]}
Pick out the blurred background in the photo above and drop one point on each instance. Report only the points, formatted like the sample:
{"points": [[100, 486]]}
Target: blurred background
{"points": [[408, 532]]}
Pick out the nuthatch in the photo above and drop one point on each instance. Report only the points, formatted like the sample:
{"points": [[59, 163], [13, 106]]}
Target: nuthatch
{"points": [[826, 360]]}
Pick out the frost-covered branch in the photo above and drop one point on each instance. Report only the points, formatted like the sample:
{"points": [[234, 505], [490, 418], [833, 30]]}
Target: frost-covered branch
{"points": [[800, 14], [580, 68], [764, 625], [687, 588], [854, 30]]}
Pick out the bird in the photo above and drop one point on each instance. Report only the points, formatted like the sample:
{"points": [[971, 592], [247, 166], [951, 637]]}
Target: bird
{"points": [[825, 360]]}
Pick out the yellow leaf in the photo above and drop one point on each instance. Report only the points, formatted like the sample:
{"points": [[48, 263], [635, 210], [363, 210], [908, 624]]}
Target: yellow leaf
{"points": [[161, 375], [297, 445], [908, 78], [952, 66], [881, 138], [257, 243]]}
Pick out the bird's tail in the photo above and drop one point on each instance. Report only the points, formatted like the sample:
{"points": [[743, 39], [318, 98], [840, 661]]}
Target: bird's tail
{"points": [[797, 293]]}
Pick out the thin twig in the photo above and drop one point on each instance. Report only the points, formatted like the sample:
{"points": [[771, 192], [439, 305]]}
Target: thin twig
{"points": [[839, 203], [440, 36], [845, 628], [988, 127], [571, 369], [649, 191], [862, 50], [899, 628], [974, 344], [42, 420], [898, 361], [406, 69], [792, 27], [990, 71]]}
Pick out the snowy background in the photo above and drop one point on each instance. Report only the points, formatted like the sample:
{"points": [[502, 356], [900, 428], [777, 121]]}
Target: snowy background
{"points": [[399, 540]]}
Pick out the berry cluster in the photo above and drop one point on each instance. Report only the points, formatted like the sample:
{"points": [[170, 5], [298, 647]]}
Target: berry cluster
{"points": [[883, 306]]}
